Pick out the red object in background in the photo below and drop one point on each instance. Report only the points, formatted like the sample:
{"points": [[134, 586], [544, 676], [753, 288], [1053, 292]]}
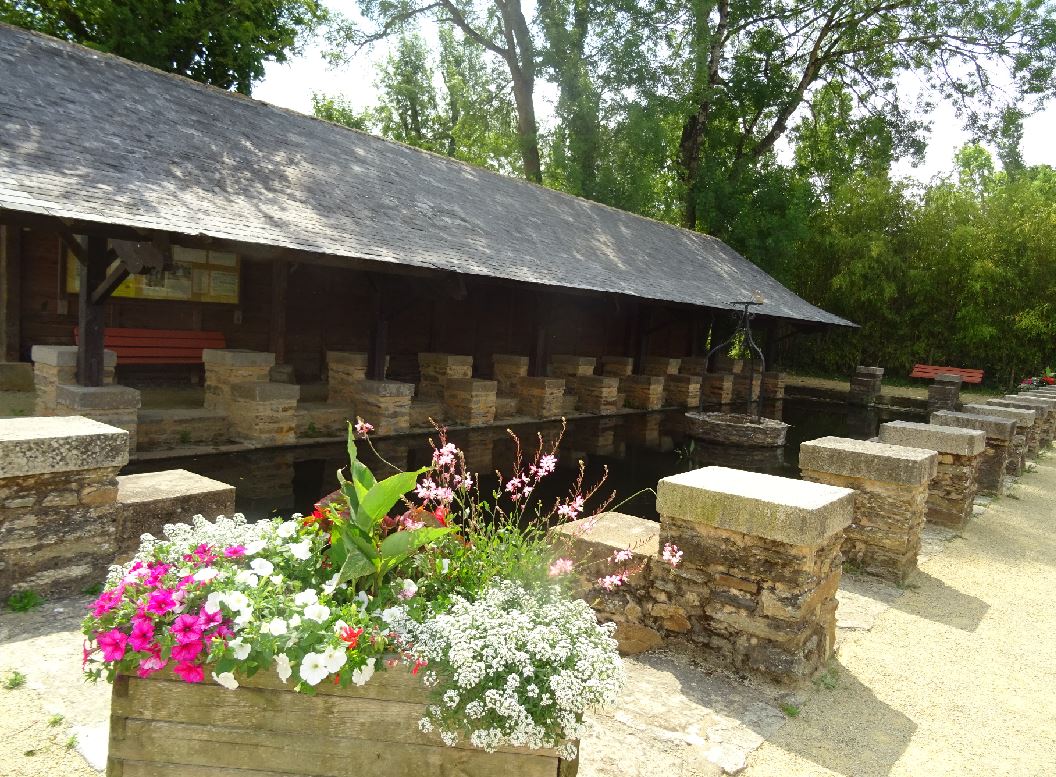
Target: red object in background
{"points": [[1049, 380]]}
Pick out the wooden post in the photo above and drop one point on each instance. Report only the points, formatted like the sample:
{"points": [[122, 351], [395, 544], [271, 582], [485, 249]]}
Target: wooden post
{"points": [[537, 356], [641, 339], [90, 313], [10, 293], [280, 272]]}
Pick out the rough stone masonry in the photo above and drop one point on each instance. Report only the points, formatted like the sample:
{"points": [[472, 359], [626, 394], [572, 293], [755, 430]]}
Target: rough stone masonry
{"points": [[891, 485], [992, 463]]}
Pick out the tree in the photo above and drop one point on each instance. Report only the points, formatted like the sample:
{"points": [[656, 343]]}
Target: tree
{"points": [[217, 42]]}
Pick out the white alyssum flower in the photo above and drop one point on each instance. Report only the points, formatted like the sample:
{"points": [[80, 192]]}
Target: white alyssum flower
{"points": [[226, 679], [317, 612], [262, 566], [300, 550], [313, 668], [282, 667]]}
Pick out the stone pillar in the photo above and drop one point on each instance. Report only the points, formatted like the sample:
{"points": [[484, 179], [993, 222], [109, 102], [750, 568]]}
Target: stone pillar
{"points": [[682, 391], [740, 386], [951, 494], [541, 397], [944, 393], [566, 366], [386, 404], [1046, 416], [596, 394], [866, 385], [773, 386], [435, 368], [507, 370], [114, 405], [470, 401], [993, 462], [617, 366], [661, 366], [716, 389], [644, 392], [58, 489], [344, 369], [761, 566], [726, 364], [56, 365], [891, 493], [693, 365], [225, 367], [1025, 443], [263, 413]]}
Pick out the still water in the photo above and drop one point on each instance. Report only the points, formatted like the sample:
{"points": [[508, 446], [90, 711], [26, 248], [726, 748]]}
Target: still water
{"points": [[635, 450]]}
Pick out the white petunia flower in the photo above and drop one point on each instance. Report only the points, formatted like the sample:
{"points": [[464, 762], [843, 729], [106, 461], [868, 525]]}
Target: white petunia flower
{"points": [[236, 600], [262, 566], [226, 679], [206, 574], [255, 547], [276, 627], [287, 529], [334, 658], [243, 618], [276, 579], [282, 667], [330, 587], [295, 621], [362, 675], [245, 577], [239, 648], [212, 601], [302, 550], [313, 668], [306, 597], [317, 612]]}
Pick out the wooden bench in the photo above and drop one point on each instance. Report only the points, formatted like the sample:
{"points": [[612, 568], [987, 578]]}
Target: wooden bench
{"points": [[158, 346], [930, 371]]}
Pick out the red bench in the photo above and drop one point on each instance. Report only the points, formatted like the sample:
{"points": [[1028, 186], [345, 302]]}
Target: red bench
{"points": [[158, 346], [930, 371]]}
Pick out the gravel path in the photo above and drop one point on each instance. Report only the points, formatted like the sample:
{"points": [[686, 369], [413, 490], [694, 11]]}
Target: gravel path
{"points": [[958, 676]]}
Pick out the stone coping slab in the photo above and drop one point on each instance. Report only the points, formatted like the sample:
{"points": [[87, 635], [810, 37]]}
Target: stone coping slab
{"points": [[796, 512], [97, 397], [1043, 410], [873, 371], [471, 385], [1041, 400], [995, 426], [944, 439], [452, 359], [617, 531], [355, 359], [35, 446], [510, 359], [170, 484], [385, 388], [264, 391], [65, 355], [237, 357], [869, 460], [1023, 418], [949, 379]]}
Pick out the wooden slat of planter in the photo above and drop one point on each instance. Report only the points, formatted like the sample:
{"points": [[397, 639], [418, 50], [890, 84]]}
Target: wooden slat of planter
{"points": [[146, 769], [308, 753]]}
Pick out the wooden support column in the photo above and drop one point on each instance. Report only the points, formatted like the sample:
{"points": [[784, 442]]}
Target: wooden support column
{"points": [[537, 353], [641, 339], [379, 332], [90, 312], [280, 273], [10, 293]]}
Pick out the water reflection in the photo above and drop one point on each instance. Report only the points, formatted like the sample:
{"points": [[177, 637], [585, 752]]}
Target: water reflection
{"points": [[636, 450]]}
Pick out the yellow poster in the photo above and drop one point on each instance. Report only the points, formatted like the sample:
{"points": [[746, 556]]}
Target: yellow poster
{"points": [[195, 276]]}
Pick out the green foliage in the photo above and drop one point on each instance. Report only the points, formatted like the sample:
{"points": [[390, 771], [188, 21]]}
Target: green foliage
{"points": [[55, 720], [216, 42], [24, 601], [790, 710], [14, 679]]}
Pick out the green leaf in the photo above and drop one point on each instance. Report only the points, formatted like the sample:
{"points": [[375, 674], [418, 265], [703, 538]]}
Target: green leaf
{"points": [[356, 566], [403, 543], [360, 474], [381, 498]]}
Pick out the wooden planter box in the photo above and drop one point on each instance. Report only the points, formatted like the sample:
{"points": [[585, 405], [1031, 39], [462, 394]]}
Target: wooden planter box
{"points": [[164, 727]]}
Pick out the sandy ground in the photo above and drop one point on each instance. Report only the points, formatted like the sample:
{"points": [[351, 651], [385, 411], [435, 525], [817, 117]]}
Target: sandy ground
{"points": [[958, 676]]}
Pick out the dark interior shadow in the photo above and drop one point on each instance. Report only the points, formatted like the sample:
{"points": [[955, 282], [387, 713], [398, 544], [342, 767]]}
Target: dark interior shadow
{"points": [[847, 729]]}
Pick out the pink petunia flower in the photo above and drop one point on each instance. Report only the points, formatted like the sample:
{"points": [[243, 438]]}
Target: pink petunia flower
{"points": [[189, 673], [157, 572], [151, 664], [112, 643], [206, 620], [186, 629], [108, 600], [187, 651], [235, 551], [142, 637], [161, 601]]}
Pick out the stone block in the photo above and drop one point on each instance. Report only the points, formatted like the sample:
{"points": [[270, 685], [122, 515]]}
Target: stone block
{"points": [[470, 401], [682, 390], [56, 365], [866, 385], [774, 386], [507, 370], [661, 366], [344, 370], [891, 484], [322, 419], [944, 393], [693, 365], [282, 373], [644, 392], [224, 367], [263, 413], [1001, 438], [870, 460], [716, 389], [148, 501], [160, 429], [617, 366], [34, 446], [726, 364], [541, 397], [568, 366], [1027, 440], [596, 394], [16, 376], [994, 427], [386, 404], [435, 368], [943, 439], [745, 383], [776, 508], [506, 406], [114, 405], [1047, 416]]}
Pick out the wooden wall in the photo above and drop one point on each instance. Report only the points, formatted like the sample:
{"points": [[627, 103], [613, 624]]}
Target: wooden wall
{"points": [[330, 308]]}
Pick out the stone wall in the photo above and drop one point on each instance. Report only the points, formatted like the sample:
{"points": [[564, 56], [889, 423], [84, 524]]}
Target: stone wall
{"points": [[944, 393], [716, 389], [568, 366], [226, 367], [344, 370], [661, 366], [541, 397], [595, 394], [56, 365], [644, 392], [682, 391], [891, 492], [470, 401], [993, 461], [114, 405], [180, 427], [866, 385], [693, 365], [507, 370], [263, 413], [951, 494], [1024, 444], [617, 366], [773, 386], [435, 368], [386, 404]]}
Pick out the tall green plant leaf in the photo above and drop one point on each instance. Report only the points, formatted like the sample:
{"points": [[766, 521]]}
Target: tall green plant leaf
{"points": [[383, 496], [400, 545]]}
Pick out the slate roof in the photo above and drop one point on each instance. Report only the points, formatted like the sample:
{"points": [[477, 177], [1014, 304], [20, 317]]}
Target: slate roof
{"points": [[92, 137]]}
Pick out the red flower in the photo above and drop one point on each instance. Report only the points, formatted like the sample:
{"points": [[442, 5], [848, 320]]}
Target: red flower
{"points": [[441, 515], [418, 665], [1049, 380], [351, 635]]}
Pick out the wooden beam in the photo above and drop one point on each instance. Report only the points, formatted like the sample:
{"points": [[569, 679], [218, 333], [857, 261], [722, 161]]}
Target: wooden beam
{"points": [[90, 313], [109, 284], [10, 293], [280, 274]]}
